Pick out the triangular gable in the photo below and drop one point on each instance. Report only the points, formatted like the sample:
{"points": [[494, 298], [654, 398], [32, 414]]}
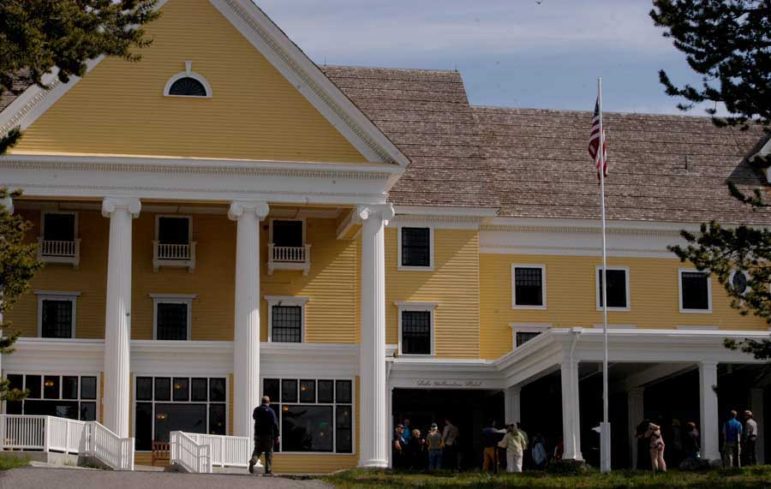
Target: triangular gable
{"points": [[280, 53]]}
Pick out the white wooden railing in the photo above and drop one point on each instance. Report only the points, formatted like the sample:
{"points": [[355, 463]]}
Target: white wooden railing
{"points": [[53, 434], [173, 255], [289, 258], [59, 251], [189, 455], [226, 451]]}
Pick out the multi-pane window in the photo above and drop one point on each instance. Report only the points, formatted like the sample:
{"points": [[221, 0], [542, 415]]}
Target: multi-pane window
{"points": [[617, 288], [56, 315], [173, 230], [415, 247], [65, 396], [287, 233], [190, 404], [172, 318], [187, 87], [522, 337], [59, 226], [529, 290], [694, 291], [416, 332], [286, 324], [315, 415]]}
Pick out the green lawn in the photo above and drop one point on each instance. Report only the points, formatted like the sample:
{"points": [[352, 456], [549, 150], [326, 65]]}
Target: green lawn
{"points": [[755, 477], [7, 462]]}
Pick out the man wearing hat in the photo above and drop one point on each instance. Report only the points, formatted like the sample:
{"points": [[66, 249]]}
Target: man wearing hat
{"points": [[750, 437]]}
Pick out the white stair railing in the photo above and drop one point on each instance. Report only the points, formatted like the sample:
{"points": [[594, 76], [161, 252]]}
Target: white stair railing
{"points": [[189, 455], [19, 432], [226, 451], [107, 447]]}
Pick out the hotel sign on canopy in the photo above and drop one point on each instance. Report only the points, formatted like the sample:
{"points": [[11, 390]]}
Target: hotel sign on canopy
{"points": [[449, 383]]}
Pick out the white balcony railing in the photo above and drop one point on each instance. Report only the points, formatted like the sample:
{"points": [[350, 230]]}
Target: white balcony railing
{"points": [[173, 255], [289, 258], [189, 455], [226, 451], [51, 251]]}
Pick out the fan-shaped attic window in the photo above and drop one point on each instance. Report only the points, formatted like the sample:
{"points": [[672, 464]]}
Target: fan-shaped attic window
{"points": [[188, 84]]}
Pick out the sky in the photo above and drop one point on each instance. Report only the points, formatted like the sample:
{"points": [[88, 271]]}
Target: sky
{"points": [[513, 53]]}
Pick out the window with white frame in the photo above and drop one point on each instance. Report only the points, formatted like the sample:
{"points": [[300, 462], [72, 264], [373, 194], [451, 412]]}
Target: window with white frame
{"points": [[740, 281], [314, 415], [416, 328], [617, 289], [173, 230], [416, 247], [64, 396], [528, 286], [522, 333], [56, 314], [286, 316], [695, 291], [172, 316], [288, 232], [60, 226]]}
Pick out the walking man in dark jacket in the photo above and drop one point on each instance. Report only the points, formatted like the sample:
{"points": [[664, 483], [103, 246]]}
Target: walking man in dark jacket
{"points": [[265, 434]]}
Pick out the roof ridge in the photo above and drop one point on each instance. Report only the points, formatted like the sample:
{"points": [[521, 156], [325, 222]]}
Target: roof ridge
{"points": [[395, 68]]}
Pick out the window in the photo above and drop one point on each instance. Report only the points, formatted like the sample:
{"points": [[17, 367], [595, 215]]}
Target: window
{"points": [[172, 316], [188, 84], [315, 415], [286, 319], [65, 396], [288, 233], [416, 248], [695, 291], [416, 329], [59, 226], [173, 230], [173, 245], [56, 314], [58, 241], [166, 404], [522, 333], [618, 288], [739, 281], [529, 286]]}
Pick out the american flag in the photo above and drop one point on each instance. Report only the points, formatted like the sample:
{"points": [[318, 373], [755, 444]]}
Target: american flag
{"points": [[600, 161]]}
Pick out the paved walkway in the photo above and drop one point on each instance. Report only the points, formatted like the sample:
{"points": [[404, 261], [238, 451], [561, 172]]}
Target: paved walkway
{"points": [[39, 478]]}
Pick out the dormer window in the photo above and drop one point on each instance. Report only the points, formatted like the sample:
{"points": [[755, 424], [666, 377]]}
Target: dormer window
{"points": [[188, 84], [287, 247], [173, 245], [59, 242]]}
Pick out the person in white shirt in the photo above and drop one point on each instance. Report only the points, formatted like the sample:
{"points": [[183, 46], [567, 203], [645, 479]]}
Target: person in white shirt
{"points": [[750, 438]]}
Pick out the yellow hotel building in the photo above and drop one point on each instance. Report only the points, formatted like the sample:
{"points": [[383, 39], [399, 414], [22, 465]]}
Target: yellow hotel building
{"points": [[226, 218]]}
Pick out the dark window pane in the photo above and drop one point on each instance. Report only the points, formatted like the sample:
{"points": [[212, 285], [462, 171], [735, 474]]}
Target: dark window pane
{"points": [[179, 417], [13, 407], [173, 230], [199, 390], [217, 422], [217, 390], [181, 389], [616, 287], [528, 283], [61, 409], [88, 411], [288, 391], [144, 389], [344, 391], [739, 282], [326, 391], [144, 426], [288, 233], [187, 87], [524, 337], [695, 290], [287, 324], [59, 227], [344, 440], [270, 388], [416, 332], [416, 247], [171, 321], [162, 389], [51, 387], [56, 319], [16, 382], [34, 386], [88, 387], [308, 391], [307, 429], [69, 387]]}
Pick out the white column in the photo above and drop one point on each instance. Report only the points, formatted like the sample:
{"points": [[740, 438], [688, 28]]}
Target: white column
{"points": [[6, 202], [635, 414], [373, 449], [708, 410], [246, 331], [756, 406], [117, 329], [512, 403], [571, 419]]}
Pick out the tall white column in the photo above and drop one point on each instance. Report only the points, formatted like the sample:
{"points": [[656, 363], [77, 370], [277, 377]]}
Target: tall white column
{"points": [[6, 202], [635, 414], [512, 403], [756, 406], [571, 418], [373, 449], [117, 329], [246, 331], [708, 410]]}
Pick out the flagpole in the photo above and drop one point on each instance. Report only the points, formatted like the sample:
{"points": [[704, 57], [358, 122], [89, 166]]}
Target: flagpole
{"points": [[605, 427]]}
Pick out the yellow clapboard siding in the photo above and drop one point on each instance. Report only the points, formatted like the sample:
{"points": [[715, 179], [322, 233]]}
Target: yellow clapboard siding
{"points": [[571, 300], [255, 113], [453, 286]]}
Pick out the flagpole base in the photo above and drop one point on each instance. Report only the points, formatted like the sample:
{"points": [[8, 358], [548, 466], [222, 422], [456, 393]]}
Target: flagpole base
{"points": [[604, 447]]}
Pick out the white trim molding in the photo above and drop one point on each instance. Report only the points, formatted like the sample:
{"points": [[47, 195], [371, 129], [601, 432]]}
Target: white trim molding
{"points": [[415, 268], [408, 306], [514, 267], [186, 299], [60, 296], [598, 291], [188, 73], [680, 291], [290, 301]]}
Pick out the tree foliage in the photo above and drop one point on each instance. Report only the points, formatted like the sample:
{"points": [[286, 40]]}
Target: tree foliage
{"points": [[37, 36]]}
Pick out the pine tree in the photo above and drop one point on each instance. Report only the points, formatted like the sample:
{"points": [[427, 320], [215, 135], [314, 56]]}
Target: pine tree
{"points": [[728, 43]]}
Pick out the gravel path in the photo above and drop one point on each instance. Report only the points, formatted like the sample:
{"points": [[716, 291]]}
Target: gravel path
{"points": [[39, 478]]}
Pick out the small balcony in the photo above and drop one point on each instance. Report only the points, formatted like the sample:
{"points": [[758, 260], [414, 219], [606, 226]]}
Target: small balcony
{"points": [[289, 258], [173, 255], [50, 251]]}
